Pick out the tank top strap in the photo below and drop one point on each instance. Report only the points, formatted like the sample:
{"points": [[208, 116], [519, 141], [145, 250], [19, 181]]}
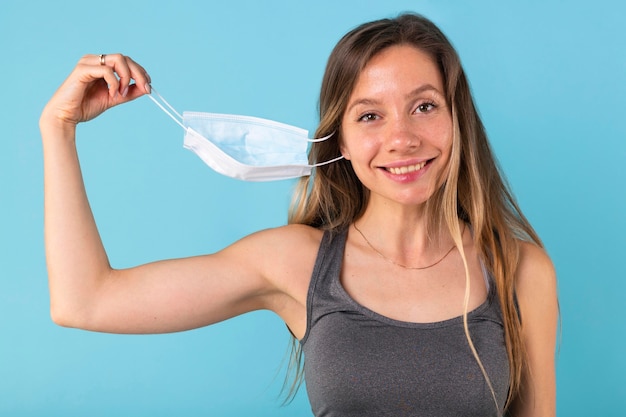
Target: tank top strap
{"points": [[322, 297]]}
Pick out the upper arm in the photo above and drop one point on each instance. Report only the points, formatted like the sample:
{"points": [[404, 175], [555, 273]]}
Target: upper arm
{"points": [[536, 288], [181, 294]]}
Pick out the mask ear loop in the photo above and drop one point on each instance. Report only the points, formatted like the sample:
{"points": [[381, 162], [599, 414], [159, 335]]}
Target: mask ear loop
{"points": [[319, 164], [180, 118], [321, 140]]}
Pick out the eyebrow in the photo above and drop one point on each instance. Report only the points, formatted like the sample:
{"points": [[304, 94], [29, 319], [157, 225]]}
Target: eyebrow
{"points": [[419, 90]]}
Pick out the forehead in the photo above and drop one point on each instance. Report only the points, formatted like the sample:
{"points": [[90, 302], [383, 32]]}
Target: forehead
{"points": [[397, 68]]}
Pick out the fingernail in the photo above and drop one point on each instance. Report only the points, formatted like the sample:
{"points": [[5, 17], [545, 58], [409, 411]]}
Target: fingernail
{"points": [[147, 88], [125, 92]]}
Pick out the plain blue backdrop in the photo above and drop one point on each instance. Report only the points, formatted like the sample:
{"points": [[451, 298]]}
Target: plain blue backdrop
{"points": [[549, 78]]}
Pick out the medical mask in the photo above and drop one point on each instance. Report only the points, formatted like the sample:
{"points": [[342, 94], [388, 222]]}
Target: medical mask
{"points": [[244, 147]]}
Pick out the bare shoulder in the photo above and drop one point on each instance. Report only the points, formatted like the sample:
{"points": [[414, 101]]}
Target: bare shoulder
{"points": [[290, 233], [275, 254], [286, 257], [286, 242], [536, 275], [536, 288]]}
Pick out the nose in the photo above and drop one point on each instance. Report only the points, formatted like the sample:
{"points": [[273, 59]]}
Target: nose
{"points": [[401, 135]]}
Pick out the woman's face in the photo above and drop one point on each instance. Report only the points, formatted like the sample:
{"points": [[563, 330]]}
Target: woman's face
{"points": [[397, 128]]}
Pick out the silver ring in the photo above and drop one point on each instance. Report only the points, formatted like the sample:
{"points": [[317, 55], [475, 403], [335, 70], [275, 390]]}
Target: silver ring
{"points": [[102, 56]]}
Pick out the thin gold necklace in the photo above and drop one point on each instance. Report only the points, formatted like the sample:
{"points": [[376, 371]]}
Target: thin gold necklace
{"points": [[399, 264]]}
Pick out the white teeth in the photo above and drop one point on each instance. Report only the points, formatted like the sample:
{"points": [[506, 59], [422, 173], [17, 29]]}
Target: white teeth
{"points": [[406, 169]]}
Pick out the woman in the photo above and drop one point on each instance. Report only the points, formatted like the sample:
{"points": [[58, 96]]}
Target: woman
{"points": [[408, 275]]}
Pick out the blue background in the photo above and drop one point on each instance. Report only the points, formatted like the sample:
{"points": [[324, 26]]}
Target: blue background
{"points": [[550, 81]]}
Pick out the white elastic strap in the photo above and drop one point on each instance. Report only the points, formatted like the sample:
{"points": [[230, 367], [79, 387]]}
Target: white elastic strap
{"points": [[322, 139], [328, 162], [180, 118], [331, 160]]}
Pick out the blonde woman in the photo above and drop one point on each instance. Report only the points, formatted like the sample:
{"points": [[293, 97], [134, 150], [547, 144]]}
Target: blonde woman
{"points": [[408, 276]]}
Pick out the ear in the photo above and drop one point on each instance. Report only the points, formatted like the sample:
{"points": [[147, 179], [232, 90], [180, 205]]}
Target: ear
{"points": [[344, 151]]}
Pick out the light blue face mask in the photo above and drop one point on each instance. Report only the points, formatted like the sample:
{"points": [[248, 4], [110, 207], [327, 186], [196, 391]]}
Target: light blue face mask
{"points": [[244, 147]]}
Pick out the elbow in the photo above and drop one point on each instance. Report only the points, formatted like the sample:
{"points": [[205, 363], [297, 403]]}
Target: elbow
{"points": [[65, 316], [60, 317], [71, 305]]}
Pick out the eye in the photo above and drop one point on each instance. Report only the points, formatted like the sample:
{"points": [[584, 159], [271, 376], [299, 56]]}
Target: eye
{"points": [[425, 107], [368, 117]]}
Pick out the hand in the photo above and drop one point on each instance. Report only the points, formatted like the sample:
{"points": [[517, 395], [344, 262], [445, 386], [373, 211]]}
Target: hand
{"points": [[95, 85]]}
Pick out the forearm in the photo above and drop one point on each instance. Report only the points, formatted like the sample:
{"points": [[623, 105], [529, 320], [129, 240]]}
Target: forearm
{"points": [[76, 259]]}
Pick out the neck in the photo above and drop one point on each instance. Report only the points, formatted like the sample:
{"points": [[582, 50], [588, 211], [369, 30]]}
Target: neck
{"points": [[402, 236]]}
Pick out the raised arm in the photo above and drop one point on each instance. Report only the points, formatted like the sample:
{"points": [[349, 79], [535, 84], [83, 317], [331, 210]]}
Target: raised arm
{"points": [[75, 256], [164, 296]]}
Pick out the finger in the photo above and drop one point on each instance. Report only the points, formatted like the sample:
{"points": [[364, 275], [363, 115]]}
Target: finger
{"points": [[88, 73], [90, 68], [127, 70], [140, 75], [118, 71], [118, 66]]}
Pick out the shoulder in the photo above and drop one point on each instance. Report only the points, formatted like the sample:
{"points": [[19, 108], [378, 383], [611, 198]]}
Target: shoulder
{"points": [[274, 254], [285, 257], [536, 288], [283, 253], [287, 240], [537, 295], [536, 275]]}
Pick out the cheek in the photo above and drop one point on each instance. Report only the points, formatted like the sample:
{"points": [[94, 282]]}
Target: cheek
{"points": [[441, 134], [445, 145], [358, 144]]}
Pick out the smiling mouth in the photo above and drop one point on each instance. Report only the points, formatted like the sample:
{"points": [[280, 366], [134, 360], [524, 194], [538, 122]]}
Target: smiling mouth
{"points": [[406, 169]]}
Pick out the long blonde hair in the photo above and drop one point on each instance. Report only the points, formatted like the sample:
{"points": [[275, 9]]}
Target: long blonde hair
{"points": [[474, 190]]}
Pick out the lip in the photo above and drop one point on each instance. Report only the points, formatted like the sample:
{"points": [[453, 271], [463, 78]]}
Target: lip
{"points": [[406, 171], [405, 162]]}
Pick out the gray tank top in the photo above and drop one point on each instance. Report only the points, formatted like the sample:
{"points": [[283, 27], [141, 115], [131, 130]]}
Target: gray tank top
{"points": [[360, 363]]}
